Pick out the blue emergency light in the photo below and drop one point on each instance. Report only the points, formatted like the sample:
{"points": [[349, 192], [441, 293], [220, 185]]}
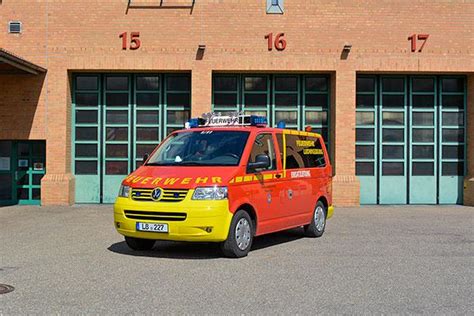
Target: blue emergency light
{"points": [[258, 120], [281, 124]]}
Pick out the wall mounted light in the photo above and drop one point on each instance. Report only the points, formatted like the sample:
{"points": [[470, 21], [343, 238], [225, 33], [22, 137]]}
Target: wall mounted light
{"points": [[202, 47], [347, 47]]}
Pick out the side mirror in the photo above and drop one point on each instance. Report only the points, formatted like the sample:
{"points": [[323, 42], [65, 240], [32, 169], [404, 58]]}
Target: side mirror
{"points": [[145, 157], [261, 162]]}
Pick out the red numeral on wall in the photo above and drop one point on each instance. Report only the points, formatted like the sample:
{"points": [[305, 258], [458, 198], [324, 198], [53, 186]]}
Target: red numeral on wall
{"points": [[280, 42], [134, 40], [420, 37]]}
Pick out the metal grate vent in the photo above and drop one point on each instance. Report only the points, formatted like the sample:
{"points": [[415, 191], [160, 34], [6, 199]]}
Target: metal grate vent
{"points": [[14, 27]]}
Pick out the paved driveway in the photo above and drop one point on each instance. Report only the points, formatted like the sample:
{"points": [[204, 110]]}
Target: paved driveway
{"points": [[370, 260]]}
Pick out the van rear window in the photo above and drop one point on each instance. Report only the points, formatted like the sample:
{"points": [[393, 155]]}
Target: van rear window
{"points": [[303, 152]]}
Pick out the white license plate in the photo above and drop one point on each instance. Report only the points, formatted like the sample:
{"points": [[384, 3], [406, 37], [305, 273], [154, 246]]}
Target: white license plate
{"points": [[152, 227]]}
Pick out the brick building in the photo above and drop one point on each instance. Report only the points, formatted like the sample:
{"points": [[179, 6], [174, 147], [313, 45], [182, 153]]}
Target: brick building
{"points": [[87, 87]]}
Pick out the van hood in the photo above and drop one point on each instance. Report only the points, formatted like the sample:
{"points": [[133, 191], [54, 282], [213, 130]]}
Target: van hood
{"points": [[183, 177]]}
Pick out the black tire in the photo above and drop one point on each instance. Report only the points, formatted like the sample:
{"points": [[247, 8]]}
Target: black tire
{"points": [[318, 221], [231, 247], [139, 243]]}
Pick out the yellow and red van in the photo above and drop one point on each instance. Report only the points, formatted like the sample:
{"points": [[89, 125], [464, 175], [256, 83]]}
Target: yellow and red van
{"points": [[227, 179]]}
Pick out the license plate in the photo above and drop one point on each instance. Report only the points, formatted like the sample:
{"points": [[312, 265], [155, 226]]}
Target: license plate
{"points": [[152, 227]]}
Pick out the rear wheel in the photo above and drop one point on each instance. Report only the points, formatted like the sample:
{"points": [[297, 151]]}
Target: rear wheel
{"points": [[239, 240], [318, 222], [139, 243]]}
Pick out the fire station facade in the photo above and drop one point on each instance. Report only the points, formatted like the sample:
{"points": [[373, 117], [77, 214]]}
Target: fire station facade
{"points": [[87, 88]]}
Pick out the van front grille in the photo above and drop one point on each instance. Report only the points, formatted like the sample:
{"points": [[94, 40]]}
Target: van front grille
{"points": [[168, 195], [155, 216]]}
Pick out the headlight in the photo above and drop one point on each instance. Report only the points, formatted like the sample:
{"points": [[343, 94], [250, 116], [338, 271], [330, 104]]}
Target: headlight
{"points": [[210, 193], [124, 191]]}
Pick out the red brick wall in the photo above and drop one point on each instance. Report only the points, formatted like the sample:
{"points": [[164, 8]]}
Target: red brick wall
{"points": [[72, 36]]}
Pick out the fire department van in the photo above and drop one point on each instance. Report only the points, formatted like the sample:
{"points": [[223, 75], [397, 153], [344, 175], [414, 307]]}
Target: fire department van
{"points": [[227, 179]]}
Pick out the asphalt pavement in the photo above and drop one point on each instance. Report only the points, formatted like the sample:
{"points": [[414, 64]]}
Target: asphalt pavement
{"points": [[371, 260]]}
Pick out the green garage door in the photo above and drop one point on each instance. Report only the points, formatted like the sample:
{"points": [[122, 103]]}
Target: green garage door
{"points": [[298, 100], [117, 118], [410, 139]]}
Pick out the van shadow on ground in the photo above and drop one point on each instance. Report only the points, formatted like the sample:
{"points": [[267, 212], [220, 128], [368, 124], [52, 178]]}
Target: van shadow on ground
{"points": [[188, 250]]}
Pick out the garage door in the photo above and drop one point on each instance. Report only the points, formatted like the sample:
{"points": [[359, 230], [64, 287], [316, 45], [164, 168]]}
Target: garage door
{"points": [[410, 139], [116, 120], [298, 100]]}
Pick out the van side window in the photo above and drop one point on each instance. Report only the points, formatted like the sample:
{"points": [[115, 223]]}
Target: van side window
{"points": [[304, 152], [263, 145], [279, 137]]}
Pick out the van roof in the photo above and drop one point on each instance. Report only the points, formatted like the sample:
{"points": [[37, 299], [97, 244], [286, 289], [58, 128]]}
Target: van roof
{"points": [[252, 128]]}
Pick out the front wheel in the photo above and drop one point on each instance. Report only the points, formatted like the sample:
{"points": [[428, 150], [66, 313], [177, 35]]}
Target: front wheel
{"points": [[318, 222], [239, 240], [139, 243]]}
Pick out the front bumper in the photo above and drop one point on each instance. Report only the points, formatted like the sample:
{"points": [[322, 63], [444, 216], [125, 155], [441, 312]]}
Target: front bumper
{"points": [[206, 221]]}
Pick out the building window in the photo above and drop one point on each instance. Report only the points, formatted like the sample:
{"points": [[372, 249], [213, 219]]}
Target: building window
{"points": [[275, 7]]}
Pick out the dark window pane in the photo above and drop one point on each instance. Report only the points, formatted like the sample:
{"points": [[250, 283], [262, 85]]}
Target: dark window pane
{"points": [[364, 151], [286, 100], [287, 117], [138, 163], [5, 187], [116, 167], [423, 151], [316, 83], [393, 101], [393, 84], [87, 83], [365, 101], [23, 149], [453, 169], [143, 149], [178, 83], [117, 83], [365, 118], [423, 119], [393, 169], [256, 99], [392, 152], [86, 167], [364, 134], [423, 101], [177, 117], [86, 133], [178, 99], [148, 99], [453, 152], [225, 83], [393, 118], [453, 101], [147, 117], [86, 116], [117, 117], [87, 99], [36, 194], [286, 83], [393, 135], [5, 148], [453, 119], [316, 100], [147, 133], [86, 150], [117, 99], [22, 194], [453, 84], [453, 135], [117, 133], [364, 168], [316, 117], [423, 135], [365, 84], [423, 85], [148, 83], [116, 151], [225, 99], [22, 178], [258, 113], [423, 169], [39, 149], [37, 178], [170, 130], [255, 83]]}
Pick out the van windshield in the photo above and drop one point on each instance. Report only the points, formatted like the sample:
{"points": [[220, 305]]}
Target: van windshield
{"points": [[201, 148]]}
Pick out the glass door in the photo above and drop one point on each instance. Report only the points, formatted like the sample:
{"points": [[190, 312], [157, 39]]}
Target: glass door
{"points": [[6, 173]]}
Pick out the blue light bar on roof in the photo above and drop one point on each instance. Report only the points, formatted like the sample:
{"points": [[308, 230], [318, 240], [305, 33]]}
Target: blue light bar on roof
{"points": [[258, 120], [235, 119]]}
